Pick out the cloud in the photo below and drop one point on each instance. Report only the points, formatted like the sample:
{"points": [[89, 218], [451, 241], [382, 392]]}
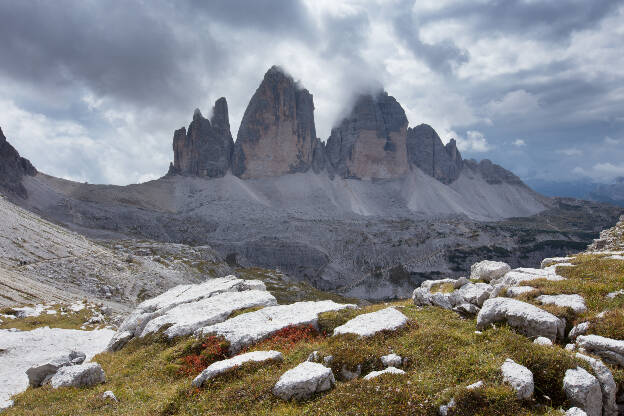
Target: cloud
{"points": [[514, 103], [570, 152], [112, 80], [474, 142]]}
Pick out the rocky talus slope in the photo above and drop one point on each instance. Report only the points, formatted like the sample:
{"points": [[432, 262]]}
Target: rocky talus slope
{"points": [[499, 341]]}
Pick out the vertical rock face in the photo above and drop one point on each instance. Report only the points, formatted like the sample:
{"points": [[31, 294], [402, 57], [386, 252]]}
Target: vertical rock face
{"points": [[371, 141], [493, 174], [277, 133], [13, 168], [206, 149], [426, 151]]}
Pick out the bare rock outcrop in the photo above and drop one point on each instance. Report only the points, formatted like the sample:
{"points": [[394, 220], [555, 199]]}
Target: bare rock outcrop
{"points": [[371, 141], [277, 134], [13, 168], [426, 151], [206, 149]]}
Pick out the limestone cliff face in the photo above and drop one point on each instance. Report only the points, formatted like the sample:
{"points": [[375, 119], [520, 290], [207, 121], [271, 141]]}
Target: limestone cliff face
{"points": [[426, 151], [206, 149], [12, 169], [277, 134], [371, 141], [494, 174]]}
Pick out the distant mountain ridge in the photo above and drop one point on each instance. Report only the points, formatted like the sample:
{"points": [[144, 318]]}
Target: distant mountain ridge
{"points": [[277, 136]]}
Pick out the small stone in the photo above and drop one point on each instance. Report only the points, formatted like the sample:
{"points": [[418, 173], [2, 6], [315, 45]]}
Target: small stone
{"points": [[303, 381], [368, 324], [580, 329], [389, 370], [109, 395], [78, 376], [570, 347], [349, 375], [391, 360], [488, 270], [542, 341], [519, 377], [327, 360], [476, 385], [444, 409], [575, 411], [223, 366], [314, 357]]}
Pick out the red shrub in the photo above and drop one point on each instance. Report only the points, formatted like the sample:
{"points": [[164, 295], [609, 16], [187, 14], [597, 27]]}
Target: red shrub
{"points": [[204, 353], [287, 338]]}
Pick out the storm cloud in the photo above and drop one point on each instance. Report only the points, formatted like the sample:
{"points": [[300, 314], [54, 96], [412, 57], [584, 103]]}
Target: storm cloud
{"points": [[92, 90]]}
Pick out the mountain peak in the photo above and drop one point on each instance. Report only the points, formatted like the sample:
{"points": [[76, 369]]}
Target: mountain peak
{"points": [[370, 141], [426, 151], [277, 134]]}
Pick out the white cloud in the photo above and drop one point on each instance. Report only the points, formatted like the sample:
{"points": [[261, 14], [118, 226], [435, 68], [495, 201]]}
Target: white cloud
{"points": [[516, 102], [519, 143], [612, 142], [570, 152], [474, 142]]}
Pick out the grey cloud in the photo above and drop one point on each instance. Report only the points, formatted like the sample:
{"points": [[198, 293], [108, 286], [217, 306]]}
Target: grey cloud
{"points": [[546, 20], [443, 56]]}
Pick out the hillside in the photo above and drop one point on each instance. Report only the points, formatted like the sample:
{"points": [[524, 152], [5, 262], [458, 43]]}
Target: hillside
{"points": [[442, 353]]}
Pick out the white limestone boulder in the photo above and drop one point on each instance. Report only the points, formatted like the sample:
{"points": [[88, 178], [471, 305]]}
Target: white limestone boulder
{"points": [[151, 308], [542, 341], [575, 411], [82, 375], [389, 370], [607, 384], [368, 324], [474, 386], [488, 270], [583, 390], [188, 307], [186, 318], [574, 302], [223, 366], [40, 374], [391, 360], [303, 381], [475, 293], [553, 261], [579, 329], [524, 317], [525, 274], [519, 378], [610, 350], [252, 327]]}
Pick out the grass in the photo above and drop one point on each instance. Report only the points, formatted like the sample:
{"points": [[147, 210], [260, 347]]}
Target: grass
{"points": [[443, 355], [593, 277], [443, 288], [64, 318]]}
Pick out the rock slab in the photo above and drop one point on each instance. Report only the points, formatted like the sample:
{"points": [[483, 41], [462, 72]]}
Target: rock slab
{"points": [[303, 381], [82, 375], [583, 390], [223, 366], [368, 324]]}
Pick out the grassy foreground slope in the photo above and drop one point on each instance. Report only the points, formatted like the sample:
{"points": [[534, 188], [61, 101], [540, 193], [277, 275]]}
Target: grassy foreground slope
{"points": [[152, 376], [443, 354]]}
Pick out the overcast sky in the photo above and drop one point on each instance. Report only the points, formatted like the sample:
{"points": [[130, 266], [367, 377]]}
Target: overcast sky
{"points": [[93, 90]]}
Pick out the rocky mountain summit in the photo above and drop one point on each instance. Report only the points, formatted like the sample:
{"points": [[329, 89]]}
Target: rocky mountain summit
{"points": [[13, 168], [370, 142], [206, 150], [277, 136]]}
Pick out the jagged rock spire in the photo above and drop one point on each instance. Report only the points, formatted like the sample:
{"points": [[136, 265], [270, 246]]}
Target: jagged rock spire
{"points": [[370, 142], [426, 151], [206, 149], [277, 134]]}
